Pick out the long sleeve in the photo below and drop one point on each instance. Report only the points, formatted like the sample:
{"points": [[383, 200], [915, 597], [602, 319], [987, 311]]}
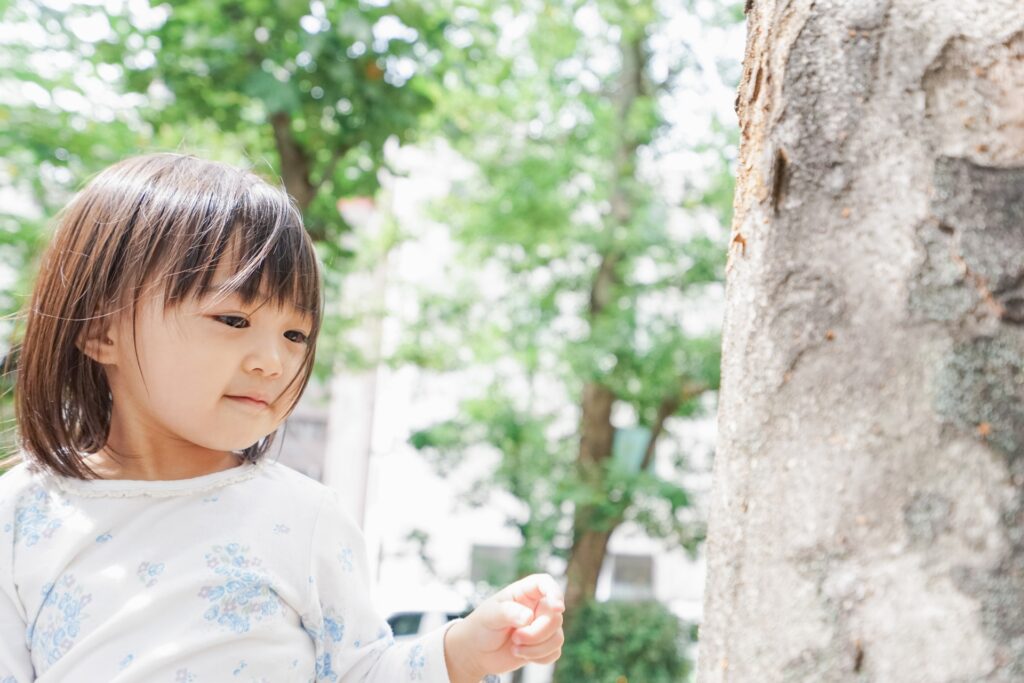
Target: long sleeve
{"points": [[15, 659], [15, 663], [352, 641]]}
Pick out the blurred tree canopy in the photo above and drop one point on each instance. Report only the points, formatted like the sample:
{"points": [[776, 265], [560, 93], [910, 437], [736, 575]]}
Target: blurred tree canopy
{"points": [[308, 92], [315, 88], [597, 272]]}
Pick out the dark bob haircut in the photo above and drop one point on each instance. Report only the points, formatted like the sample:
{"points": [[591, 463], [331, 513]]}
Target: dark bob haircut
{"points": [[157, 218]]}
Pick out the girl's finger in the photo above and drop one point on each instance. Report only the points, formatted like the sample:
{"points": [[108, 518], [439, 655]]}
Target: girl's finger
{"points": [[541, 628], [541, 650], [555, 604], [513, 614], [532, 588], [550, 658], [502, 614]]}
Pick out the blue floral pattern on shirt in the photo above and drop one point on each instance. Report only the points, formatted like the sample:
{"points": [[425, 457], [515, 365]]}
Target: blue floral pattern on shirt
{"points": [[334, 627], [59, 620], [32, 518], [234, 587], [345, 557], [324, 671], [245, 593], [148, 572], [327, 633], [416, 663]]}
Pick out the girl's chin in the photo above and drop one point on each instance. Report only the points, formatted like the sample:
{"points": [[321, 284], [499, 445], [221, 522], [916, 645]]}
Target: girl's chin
{"points": [[237, 444], [249, 429]]}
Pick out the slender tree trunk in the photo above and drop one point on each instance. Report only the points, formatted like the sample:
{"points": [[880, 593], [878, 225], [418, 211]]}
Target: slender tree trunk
{"points": [[295, 162], [867, 521], [590, 542], [590, 538]]}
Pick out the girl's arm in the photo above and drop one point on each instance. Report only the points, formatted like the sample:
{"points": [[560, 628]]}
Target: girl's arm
{"points": [[15, 660], [521, 623], [352, 641]]}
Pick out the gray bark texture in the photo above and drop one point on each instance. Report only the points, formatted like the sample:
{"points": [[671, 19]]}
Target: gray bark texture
{"points": [[867, 515]]}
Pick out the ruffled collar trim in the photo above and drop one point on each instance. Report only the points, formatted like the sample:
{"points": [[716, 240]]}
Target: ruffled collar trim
{"points": [[126, 488]]}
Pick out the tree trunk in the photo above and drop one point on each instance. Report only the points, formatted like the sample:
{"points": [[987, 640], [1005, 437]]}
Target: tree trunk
{"points": [[868, 500], [294, 161], [590, 536], [590, 542], [296, 168]]}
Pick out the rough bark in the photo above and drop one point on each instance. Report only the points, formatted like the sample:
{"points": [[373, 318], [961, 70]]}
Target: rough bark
{"points": [[868, 497]]}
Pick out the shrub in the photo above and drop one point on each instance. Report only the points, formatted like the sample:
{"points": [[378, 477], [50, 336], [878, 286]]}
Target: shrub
{"points": [[625, 642]]}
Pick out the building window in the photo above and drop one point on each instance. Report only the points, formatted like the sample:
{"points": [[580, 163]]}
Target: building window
{"points": [[632, 577]]}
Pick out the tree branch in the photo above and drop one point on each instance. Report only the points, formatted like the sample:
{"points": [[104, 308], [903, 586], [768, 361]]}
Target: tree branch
{"points": [[669, 405], [328, 173], [294, 161]]}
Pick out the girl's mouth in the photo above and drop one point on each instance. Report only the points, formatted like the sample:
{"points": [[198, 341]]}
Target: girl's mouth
{"points": [[249, 401]]}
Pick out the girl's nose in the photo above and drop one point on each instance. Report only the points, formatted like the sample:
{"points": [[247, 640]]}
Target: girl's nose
{"points": [[265, 359]]}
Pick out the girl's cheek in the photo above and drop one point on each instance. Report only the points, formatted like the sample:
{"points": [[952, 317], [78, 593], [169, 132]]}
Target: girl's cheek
{"points": [[295, 361]]}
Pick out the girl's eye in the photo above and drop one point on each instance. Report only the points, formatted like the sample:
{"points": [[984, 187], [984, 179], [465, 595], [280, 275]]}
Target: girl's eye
{"points": [[239, 323], [233, 320]]}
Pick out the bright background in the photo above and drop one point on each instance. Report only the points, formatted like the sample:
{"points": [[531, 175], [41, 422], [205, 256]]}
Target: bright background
{"points": [[518, 205]]}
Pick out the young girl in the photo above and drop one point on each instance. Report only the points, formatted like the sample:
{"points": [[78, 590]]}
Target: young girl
{"points": [[144, 535]]}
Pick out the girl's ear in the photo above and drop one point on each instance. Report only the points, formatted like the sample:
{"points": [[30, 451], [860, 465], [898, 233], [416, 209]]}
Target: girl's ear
{"points": [[100, 345]]}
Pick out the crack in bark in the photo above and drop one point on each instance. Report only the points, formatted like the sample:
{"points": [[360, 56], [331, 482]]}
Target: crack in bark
{"points": [[780, 179]]}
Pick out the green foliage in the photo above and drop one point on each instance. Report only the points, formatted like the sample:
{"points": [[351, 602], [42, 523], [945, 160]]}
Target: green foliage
{"points": [[531, 466], [343, 85], [662, 508], [48, 143], [556, 132], [557, 189], [211, 77], [618, 642]]}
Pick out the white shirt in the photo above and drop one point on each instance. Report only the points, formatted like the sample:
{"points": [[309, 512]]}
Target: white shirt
{"points": [[253, 574]]}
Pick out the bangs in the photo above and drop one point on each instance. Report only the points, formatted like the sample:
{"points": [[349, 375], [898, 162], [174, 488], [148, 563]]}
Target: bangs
{"points": [[269, 254], [258, 230]]}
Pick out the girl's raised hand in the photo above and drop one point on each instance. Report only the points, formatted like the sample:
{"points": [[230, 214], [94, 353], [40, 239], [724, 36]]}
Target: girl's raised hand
{"points": [[521, 623]]}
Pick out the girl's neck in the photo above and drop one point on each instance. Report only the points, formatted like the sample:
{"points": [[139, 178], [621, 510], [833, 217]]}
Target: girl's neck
{"points": [[148, 469]]}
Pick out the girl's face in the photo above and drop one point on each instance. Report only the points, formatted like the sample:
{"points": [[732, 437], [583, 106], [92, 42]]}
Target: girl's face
{"points": [[181, 378]]}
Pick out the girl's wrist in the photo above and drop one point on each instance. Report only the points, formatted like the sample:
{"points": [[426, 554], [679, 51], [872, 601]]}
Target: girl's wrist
{"points": [[461, 667]]}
